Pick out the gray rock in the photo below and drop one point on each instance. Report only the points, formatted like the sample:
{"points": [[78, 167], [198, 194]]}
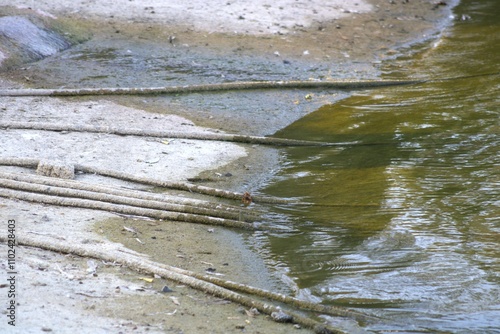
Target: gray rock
{"points": [[21, 38]]}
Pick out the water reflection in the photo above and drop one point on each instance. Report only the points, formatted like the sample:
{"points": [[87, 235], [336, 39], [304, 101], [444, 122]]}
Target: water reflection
{"points": [[406, 222]]}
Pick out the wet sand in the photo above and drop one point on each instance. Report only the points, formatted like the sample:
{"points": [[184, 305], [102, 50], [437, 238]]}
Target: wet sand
{"points": [[56, 293]]}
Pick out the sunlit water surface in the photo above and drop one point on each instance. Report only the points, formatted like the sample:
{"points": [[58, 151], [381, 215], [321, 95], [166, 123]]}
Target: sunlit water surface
{"points": [[405, 223]]}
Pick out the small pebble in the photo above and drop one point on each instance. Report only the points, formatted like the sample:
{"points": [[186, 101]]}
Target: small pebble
{"points": [[166, 289], [280, 316]]}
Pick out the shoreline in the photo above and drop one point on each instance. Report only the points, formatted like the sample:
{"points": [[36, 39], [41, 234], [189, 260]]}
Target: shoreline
{"points": [[190, 247]]}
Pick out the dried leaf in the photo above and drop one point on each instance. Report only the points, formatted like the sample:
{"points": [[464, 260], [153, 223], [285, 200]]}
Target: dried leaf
{"points": [[152, 160], [130, 229], [175, 300], [249, 313], [92, 267], [172, 313]]}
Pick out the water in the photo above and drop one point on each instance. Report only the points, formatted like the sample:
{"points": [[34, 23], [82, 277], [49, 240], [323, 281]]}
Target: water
{"points": [[405, 223]]}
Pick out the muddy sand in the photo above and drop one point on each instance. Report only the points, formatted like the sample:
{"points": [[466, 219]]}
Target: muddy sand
{"points": [[111, 45]]}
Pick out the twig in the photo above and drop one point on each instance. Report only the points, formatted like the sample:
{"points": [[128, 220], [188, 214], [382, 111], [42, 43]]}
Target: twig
{"points": [[91, 296], [49, 234]]}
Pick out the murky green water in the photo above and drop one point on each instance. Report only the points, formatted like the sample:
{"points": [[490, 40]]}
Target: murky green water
{"points": [[405, 224]]}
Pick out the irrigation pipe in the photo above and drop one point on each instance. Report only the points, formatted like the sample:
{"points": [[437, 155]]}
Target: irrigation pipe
{"points": [[227, 86], [143, 265]]}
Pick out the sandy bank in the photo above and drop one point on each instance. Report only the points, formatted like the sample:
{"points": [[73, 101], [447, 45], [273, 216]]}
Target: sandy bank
{"points": [[258, 17], [59, 293]]}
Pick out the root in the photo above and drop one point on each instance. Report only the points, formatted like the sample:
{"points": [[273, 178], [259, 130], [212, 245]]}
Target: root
{"points": [[180, 186], [57, 187], [165, 134], [150, 267], [123, 209], [288, 300], [227, 86], [33, 163]]}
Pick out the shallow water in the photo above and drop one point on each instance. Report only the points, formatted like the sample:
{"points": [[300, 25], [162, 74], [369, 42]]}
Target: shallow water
{"points": [[125, 62], [405, 222]]}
